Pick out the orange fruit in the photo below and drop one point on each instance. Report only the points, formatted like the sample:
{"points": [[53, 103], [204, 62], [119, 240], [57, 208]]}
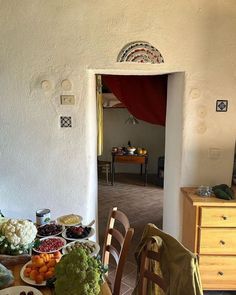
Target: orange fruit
{"points": [[27, 271], [57, 254], [51, 262], [48, 275], [39, 279], [29, 265], [38, 262], [34, 257], [33, 274], [43, 269], [52, 269]]}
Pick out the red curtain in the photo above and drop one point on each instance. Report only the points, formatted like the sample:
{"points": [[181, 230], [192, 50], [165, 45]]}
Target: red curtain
{"points": [[144, 96]]}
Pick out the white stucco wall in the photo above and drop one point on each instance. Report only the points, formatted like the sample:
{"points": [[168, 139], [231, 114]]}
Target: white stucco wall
{"points": [[42, 165], [145, 135]]}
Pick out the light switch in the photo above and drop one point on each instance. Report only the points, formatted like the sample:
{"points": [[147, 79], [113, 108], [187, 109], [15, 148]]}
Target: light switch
{"points": [[67, 99]]}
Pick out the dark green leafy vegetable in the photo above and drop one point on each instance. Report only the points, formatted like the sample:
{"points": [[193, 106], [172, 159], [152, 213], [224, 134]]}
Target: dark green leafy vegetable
{"points": [[223, 191]]}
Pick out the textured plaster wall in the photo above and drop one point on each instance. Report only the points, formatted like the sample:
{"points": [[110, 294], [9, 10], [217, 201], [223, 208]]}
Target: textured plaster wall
{"points": [[117, 133], [43, 165]]}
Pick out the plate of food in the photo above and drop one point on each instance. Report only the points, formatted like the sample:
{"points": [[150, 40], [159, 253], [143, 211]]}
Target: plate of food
{"points": [[50, 244], [20, 290], [30, 276], [40, 268], [79, 232], [91, 247], [49, 229], [69, 220]]}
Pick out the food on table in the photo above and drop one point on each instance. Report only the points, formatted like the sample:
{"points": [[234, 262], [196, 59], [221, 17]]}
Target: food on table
{"points": [[70, 219], [16, 236], [87, 246], [50, 229], [141, 151], [50, 244], [131, 149], [6, 277], [78, 273], [78, 232], [42, 266]]}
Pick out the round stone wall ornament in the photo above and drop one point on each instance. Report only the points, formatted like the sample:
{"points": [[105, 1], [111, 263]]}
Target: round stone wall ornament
{"points": [[66, 84], [195, 93], [140, 52], [46, 85]]}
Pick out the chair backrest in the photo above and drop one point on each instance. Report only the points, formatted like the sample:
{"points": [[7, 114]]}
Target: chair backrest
{"points": [[146, 273], [117, 244]]}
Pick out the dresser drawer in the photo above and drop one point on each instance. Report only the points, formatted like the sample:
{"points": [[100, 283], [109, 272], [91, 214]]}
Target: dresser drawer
{"points": [[217, 272], [218, 217], [220, 241]]}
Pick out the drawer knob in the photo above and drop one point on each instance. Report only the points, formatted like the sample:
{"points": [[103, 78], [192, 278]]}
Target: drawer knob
{"points": [[222, 242], [224, 217], [220, 273]]}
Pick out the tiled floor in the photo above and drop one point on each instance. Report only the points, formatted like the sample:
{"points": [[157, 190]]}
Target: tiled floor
{"points": [[142, 205]]}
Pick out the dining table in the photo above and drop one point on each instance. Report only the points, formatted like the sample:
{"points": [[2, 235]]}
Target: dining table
{"points": [[130, 159], [17, 266]]}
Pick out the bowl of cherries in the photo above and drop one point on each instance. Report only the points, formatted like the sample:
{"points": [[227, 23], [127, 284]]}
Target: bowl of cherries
{"points": [[78, 232]]}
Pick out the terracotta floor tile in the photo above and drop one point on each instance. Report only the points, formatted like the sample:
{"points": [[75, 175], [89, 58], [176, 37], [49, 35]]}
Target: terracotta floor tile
{"points": [[141, 204]]}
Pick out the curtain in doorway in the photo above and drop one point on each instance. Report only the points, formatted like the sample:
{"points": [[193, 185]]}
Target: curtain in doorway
{"points": [[144, 96]]}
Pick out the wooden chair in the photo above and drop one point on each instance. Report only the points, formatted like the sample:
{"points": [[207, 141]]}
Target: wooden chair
{"points": [[105, 166], [117, 244], [146, 275]]}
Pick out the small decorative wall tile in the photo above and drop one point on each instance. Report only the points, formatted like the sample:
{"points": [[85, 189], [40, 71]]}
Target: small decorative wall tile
{"points": [[65, 122], [140, 52], [222, 105]]}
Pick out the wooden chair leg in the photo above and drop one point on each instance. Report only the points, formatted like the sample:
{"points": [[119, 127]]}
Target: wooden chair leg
{"points": [[107, 172]]}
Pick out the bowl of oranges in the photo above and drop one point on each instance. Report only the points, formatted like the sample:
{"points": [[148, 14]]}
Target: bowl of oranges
{"points": [[40, 268]]}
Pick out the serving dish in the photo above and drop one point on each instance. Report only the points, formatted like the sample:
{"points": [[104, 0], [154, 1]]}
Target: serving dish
{"points": [[50, 229], [50, 244], [27, 279], [15, 290], [95, 245], [65, 236], [70, 220]]}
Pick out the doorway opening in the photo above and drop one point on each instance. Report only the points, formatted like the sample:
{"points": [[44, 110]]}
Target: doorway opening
{"points": [[138, 195], [173, 141], [172, 165]]}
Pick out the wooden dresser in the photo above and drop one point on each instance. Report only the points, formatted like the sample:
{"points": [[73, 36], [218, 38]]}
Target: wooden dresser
{"points": [[209, 230]]}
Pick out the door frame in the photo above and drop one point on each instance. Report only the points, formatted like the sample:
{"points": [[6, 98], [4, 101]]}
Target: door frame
{"points": [[174, 130]]}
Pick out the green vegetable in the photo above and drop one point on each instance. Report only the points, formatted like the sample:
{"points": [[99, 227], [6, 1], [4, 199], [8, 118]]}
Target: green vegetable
{"points": [[221, 194], [77, 273], [223, 191], [230, 192]]}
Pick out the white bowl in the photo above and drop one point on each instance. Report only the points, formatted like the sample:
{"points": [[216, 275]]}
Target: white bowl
{"points": [[131, 150]]}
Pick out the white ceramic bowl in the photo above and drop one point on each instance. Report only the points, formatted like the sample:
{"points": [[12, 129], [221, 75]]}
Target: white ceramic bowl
{"points": [[131, 150]]}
